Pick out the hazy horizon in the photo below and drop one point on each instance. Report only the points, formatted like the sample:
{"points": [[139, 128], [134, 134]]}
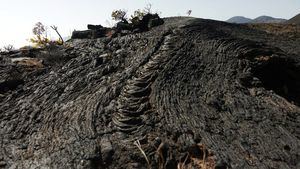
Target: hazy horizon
{"points": [[18, 17]]}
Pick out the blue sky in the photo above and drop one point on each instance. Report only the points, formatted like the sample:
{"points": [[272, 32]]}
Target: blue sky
{"points": [[19, 16]]}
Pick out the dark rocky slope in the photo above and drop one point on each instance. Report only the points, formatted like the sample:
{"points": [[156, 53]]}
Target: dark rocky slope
{"points": [[190, 92], [294, 20]]}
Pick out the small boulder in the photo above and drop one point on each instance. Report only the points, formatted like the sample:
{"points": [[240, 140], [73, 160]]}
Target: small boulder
{"points": [[94, 27], [87, 34], [123, 26], [148, 21], [91, 33]]}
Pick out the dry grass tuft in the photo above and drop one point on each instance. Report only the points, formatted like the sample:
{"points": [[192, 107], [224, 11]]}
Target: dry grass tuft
{"points": [[138, 144], [291, 30], [198, 157]]}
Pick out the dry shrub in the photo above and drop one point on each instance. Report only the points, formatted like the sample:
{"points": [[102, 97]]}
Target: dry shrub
{"points": [[278, 29], [41, 39], [198, 157]]}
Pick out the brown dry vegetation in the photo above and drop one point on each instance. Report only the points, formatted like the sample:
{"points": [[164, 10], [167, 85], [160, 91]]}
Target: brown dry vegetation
{"points": [[290, 30]]}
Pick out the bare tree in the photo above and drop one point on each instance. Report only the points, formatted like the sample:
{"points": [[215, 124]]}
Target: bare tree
{"points": [[40, 38], [55, 29], [8, 48], [40, 35], [39, 30], [148, 8], [189, 12]]}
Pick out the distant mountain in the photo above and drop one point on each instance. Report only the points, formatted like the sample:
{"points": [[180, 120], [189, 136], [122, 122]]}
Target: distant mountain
{"points": [[268, 19], [239, 19], [261, 19], [295, 19]]}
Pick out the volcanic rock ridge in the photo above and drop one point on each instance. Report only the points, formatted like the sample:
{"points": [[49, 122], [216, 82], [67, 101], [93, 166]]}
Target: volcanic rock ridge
{"points": [[185, 93]]}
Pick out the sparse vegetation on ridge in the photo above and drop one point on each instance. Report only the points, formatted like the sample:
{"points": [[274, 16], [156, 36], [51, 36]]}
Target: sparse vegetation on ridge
{"points": [[7, 48], [140, 21], [41, 38]]}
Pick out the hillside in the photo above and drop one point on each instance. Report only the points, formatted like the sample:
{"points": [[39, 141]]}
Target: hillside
{"points": [[191, 93], [286, 30], [294, 20], [239, 19], [268, 19]]}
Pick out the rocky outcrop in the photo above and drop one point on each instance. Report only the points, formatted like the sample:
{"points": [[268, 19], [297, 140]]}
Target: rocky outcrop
{"points": [[147, 22], [90, 34], [94, 27], [190, 93]]}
